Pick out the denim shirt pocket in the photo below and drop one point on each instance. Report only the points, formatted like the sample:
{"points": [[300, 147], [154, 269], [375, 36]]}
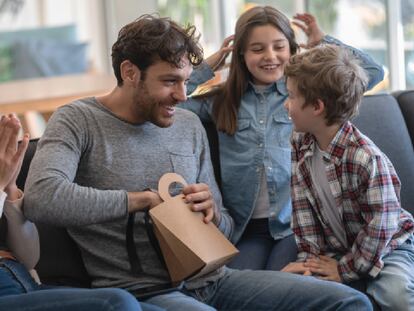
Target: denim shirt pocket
{"points": [[242, 129], [243, 124], [281, 130], [184, 163]]}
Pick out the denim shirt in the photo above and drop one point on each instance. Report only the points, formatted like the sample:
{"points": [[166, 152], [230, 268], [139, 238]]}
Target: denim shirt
{"points": [[261, 142]]}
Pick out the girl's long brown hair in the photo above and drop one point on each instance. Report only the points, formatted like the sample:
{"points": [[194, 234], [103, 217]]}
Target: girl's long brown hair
{"points": [[228, 95]]}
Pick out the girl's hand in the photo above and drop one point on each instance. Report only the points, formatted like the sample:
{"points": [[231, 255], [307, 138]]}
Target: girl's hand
{"points": [[307, 22], [217, 60]]}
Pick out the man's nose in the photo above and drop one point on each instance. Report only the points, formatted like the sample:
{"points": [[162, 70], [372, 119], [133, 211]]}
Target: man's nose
{"points": [[180, 93]]}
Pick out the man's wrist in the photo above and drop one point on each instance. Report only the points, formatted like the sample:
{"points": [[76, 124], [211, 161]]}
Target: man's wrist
{"points": [[140, 201]]}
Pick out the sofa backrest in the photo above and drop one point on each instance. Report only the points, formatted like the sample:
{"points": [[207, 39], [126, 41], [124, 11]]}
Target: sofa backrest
{"points": [[405, 100], [380, 119], [60, 260]]}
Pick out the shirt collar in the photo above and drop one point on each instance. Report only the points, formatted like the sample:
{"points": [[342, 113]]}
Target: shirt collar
{"points": [[278, 86], [336, 147]]}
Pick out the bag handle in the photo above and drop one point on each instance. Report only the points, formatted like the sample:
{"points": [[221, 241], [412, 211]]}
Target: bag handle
{"points": [[165, 182]]}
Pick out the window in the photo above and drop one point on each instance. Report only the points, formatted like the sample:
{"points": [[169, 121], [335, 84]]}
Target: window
{"points": [[201, 13], [407, 16], [359, 23]]}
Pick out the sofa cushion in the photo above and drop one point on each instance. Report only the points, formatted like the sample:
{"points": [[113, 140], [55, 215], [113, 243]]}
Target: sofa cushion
{"points": [[61, 34], [5, 63], [66, 33], [60, 260], [45, 58], [380, 119]]}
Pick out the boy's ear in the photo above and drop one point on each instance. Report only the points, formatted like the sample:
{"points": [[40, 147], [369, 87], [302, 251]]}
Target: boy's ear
{"points": [[319, 107], [129, 72]]}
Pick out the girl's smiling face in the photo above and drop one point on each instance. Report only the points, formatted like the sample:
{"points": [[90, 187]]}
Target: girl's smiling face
{"points": [[266, 53]]}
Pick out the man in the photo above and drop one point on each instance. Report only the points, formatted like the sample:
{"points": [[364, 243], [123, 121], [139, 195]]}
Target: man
{"points": [[99, 154]]}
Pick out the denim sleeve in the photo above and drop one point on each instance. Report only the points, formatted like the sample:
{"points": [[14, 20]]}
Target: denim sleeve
{"points": [[201, 106], [375, 71], [201, 74]]}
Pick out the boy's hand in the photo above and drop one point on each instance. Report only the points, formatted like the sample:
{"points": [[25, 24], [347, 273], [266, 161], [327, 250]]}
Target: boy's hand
{"points": [[217, 60], [202, 199], [307, 22], [297, 268], [325, 267]]}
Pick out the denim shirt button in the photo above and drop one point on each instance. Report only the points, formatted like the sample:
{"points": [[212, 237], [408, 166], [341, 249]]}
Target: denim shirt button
{"points": [[261, 121], [260, 145], [272, 214]]}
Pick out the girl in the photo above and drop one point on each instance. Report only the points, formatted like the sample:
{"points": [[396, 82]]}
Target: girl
{"points": [[254, 130]]}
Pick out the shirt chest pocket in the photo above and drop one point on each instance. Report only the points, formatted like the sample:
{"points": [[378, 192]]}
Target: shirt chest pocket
{"points": [[185, 164], [281, 130], [243, 126]]}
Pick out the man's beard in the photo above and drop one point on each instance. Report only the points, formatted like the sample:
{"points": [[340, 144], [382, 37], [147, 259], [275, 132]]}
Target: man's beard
{"points": [[153, 106]]}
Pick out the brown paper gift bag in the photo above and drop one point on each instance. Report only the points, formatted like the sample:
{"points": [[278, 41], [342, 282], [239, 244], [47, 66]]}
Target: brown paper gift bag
{"points": [[190, 247]]}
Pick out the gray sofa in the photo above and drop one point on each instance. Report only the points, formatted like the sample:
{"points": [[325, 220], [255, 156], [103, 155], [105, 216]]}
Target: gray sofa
{"points": [[388, 119]]}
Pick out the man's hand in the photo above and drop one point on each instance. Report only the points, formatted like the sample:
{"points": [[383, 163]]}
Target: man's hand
{"points": [[307, 22], [325, 267], [297, 268], [11, 154], [217, 60], [203, 201], [141, 201]]}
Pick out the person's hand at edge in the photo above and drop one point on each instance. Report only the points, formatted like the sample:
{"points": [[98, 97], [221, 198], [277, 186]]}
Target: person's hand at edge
{"points": [[11, 154]]}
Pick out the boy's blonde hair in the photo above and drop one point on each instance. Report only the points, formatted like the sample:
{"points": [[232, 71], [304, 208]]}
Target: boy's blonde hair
{"points": [[331, 74]]}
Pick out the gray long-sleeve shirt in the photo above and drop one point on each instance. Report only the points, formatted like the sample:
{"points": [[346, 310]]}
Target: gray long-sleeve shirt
{"points": [[86, 162]]}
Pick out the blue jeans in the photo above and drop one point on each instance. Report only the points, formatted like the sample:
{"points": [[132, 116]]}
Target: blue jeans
{"points": [[258, 250], [18, 291], [266, 290], [393, 288]]}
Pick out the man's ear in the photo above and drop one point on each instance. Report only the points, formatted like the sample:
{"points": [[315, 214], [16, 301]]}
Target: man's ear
{"points": [[129, 72], [319, 107]]}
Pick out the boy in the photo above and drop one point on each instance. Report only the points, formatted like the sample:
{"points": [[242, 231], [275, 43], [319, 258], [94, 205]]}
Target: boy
{"points": [[347, 218]]}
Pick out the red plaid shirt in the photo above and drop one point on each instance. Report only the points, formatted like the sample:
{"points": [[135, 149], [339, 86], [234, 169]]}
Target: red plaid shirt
{"points": [[366, 189]]}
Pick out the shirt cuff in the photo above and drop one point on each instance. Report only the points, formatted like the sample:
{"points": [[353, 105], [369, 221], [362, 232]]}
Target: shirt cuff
{"points": [[327, 39]]}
